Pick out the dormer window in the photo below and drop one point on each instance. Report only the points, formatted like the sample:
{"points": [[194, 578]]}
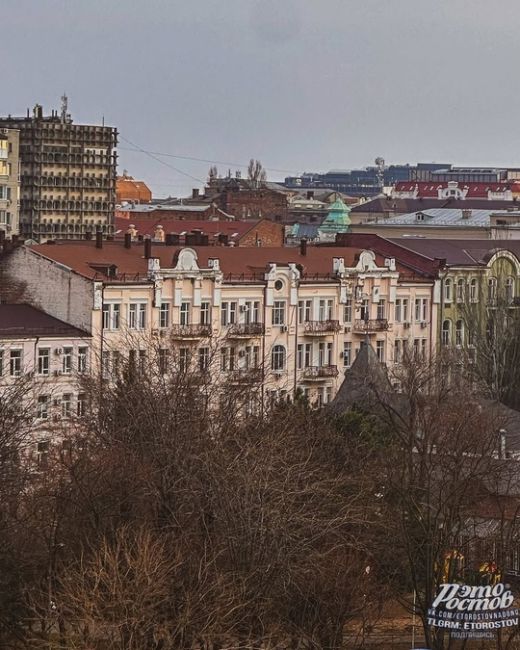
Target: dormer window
{"points": [[109, 270]]}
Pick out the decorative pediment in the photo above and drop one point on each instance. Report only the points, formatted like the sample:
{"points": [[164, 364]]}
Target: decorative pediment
{"points": [[367, 261], [186, 260]]}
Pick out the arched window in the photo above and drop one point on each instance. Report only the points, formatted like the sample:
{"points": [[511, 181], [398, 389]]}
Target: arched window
{"points": [[447, 290], [446, 332], [473, 290], [460, 290], [510, 290], [459, 333], [492, 290], [278, 358]]}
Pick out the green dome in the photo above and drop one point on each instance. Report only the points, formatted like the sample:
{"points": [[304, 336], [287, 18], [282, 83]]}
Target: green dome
{"points": [[337, 219]]}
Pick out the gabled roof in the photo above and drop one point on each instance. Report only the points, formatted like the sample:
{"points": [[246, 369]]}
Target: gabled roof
{"points": [[386, 204]]}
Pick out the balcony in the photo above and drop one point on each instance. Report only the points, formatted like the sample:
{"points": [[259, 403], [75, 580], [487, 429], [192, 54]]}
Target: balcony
{"points": [[371, 326], [245, 376], [191, 332], [321, 327], [319, 373], [245, 330]]}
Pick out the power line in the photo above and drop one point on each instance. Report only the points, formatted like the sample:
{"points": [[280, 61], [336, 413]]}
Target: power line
{"points": [[154, 157], [204, 160]]}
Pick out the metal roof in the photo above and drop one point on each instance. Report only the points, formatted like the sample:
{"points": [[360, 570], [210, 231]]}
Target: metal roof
{"points": [[447, 217]]}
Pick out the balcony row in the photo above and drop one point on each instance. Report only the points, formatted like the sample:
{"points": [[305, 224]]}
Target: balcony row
{"points": [[250, 330]]}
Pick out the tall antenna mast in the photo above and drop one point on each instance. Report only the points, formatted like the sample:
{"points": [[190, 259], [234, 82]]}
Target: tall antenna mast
{"points": [[64, 107]]}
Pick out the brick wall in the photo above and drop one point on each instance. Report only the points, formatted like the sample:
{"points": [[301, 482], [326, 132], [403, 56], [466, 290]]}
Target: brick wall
{"points": [[266, 232], [255, 204]]}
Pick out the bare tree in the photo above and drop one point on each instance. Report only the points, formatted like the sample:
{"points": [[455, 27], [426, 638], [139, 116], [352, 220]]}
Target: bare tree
{"points": [[256, 174]]}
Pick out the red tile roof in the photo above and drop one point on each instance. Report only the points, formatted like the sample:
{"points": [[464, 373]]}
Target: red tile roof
{"points": [[235, 262], [25, 321]]}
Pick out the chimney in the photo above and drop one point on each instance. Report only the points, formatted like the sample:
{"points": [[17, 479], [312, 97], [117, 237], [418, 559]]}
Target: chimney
{"points": [[171, 239], [147, 248], [223, 239], [128, 240], [88, 235], [466, 213], [310, 195], [195, 193], [303, 246], [99, 239]]}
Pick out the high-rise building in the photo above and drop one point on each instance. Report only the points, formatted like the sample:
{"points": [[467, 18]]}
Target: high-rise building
{"points": [[9, 182], [68, 175]]}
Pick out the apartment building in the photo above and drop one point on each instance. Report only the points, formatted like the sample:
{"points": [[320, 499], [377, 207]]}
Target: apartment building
{"points": [[42, 361], [68, 175], [286, 320], [9, 182]]}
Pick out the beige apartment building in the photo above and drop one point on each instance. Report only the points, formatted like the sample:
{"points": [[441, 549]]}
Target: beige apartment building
{"points": [[9, 182], [281, 320], [68, 175]]}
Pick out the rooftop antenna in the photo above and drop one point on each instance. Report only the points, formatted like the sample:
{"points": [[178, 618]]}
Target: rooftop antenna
{"points": [[64, 107]]}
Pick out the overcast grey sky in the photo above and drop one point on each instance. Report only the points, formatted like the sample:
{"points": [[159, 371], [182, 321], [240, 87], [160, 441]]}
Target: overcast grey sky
{"points": [[299, 84]]}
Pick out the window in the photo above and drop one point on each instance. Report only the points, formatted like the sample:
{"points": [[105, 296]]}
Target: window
{"points": [[82, 359], [473, 290], [66, 361], [163, 360], [278, 312], [304, 311], [447, 290], [137, 315], [111, 316], [251, 312], [278, 358], [421, 309], [142, 361], [116, 364], [510, 290], [347, 354], [105, 364], [42, 407], [401, 310], [1, 363], [164, 315], [325, 309], [81, 405], [347, 311], [15, 363], [304, 355], [461, 286], [42, 454], [44, 359], [205, 313], [324, 354], [381, 309], [228, 313], [398, 350], [252, 358], [185, 313], [66, 405], [492, 290], [203, 359], [365, 310], [184, 359], [446, 332], [459, 333], [380, 351], [227, 358]]}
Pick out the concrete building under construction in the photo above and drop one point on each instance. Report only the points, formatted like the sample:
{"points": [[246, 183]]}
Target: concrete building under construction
{"points": [[67, 173]]}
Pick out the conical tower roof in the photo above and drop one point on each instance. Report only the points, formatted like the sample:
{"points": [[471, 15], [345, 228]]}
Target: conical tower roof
{"points": [[366, 381]]}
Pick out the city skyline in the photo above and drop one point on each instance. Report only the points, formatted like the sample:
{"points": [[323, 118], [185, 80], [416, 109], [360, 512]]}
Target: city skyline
{"points": [[299, 86]]}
